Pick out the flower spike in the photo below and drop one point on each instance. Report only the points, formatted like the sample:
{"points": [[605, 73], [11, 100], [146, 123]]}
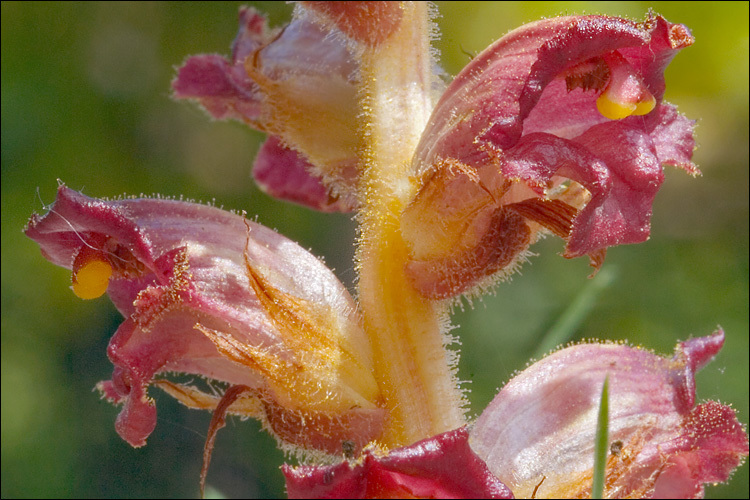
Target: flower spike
{"points": [[558, 127]]}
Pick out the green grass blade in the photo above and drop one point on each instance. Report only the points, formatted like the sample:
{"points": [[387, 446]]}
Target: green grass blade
{"points": [[601, 443]]}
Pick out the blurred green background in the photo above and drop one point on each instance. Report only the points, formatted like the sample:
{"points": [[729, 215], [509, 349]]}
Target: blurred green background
{"points": [[85, 98]]}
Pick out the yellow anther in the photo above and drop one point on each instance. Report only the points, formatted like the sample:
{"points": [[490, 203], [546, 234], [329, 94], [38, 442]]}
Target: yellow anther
{"points": [[646, 106], [92, 279], [625, 94], [615, 110]]}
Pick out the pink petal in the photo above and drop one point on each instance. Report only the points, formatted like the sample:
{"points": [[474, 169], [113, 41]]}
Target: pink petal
{"points": [[285, 174], [297, 85], [568, 113], [367, 23], [225, 92], [540, 427], [710, 445], [673, 139], [178, 265], [442, 466], [618, 166], [223, 87]]}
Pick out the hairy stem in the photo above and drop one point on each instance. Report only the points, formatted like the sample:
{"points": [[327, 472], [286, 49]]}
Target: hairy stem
{"points": [[411, 362]]}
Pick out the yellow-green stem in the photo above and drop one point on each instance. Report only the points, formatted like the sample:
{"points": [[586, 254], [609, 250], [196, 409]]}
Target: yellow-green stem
{"points": [[411, 362]]}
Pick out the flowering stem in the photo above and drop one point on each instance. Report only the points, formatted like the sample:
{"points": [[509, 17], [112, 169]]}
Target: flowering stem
{"points": [[411, 362]]}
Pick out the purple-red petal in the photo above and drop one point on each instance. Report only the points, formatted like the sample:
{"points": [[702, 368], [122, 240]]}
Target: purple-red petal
{"points": [[297, 85], [442, 466], [285, 174], [224, 91], [497, 90], [223, 87]]}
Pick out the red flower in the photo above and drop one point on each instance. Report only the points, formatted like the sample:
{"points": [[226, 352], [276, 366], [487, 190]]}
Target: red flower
{"points": [[298, 85], [442, 466], [517, 145], [208, 293], [537, 436]]}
